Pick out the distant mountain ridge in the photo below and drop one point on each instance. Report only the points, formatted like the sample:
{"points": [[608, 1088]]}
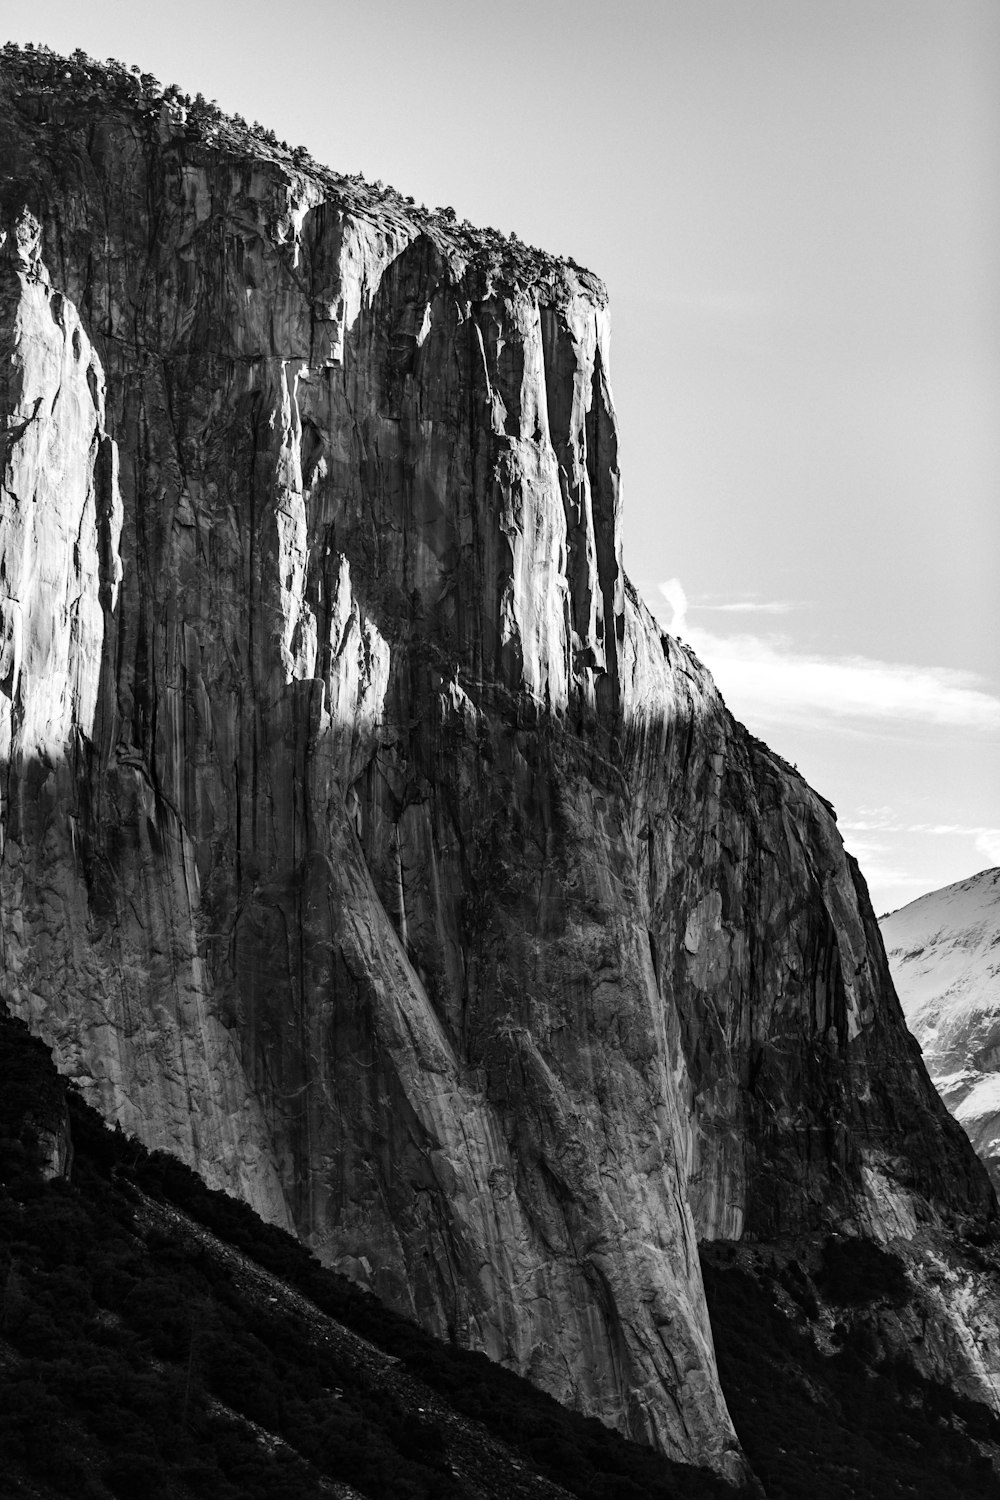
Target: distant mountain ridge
{"points": [[944, 956]]}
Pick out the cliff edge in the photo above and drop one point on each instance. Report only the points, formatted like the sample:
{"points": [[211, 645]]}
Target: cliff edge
{"points": [[364, 842]]}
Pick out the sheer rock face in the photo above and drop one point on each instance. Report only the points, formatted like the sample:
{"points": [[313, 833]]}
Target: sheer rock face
{"points": [[364, 842]]}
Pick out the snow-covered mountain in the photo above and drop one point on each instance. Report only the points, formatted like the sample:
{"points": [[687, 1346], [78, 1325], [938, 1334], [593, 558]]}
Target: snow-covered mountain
{"points": [[944, 955]]}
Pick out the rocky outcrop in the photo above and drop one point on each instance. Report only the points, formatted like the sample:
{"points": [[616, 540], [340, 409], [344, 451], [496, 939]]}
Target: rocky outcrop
{"points": [[944, 956], [365, 842]]}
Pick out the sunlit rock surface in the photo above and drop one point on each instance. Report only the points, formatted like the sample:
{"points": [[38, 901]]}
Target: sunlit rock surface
{"points": [[364, 841], [944, 956]]}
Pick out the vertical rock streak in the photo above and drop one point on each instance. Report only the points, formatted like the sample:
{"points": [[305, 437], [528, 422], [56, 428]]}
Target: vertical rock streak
{"points": [[364, 841]]}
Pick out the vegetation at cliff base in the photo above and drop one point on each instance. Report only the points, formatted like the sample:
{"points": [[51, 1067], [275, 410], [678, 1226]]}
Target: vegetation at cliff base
{"points": [[139, 1357], [846, 1424]]}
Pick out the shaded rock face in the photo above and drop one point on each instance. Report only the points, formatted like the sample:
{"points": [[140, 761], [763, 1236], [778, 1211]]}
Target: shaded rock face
{"points": [[944, 956], [364, 841]]}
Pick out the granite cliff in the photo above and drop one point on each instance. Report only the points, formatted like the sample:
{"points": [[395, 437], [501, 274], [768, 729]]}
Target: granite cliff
{"points": [[364, 841]]}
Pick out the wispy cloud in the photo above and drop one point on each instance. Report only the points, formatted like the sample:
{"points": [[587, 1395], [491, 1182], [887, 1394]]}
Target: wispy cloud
{"points": [[866, 849], [781, 683], [748, 603], [765, 677], [751, 606], [883, 821], [673, 593], [878, 831], [883, 876], [874, 820], [988, 844]]}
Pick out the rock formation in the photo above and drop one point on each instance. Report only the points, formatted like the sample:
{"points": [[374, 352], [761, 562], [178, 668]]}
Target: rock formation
{"points": [[944, 957], [364, 841]]}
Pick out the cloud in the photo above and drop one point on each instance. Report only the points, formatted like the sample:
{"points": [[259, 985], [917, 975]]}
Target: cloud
{"points": [[888, 875], [750, 606], [675, 596], [988, 844], [773, 684], [766, 678], [879, 821], [883, 821], [878, 817], [866, 849], [987, 839], [978, 831]]}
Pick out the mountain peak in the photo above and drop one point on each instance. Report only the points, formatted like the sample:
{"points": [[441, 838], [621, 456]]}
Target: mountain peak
{"points": [[944, 955]]}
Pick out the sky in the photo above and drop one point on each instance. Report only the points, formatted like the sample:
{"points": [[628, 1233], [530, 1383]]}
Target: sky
{"points": [[796, 207]]}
